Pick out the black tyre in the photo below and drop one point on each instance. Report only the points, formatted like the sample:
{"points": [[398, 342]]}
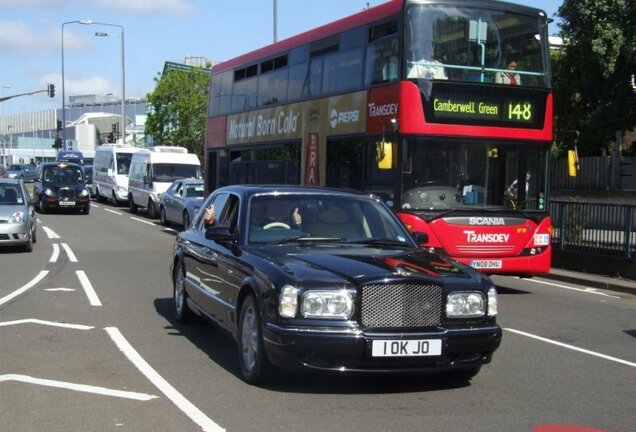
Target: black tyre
{"points": [[162, 216], [28, 247], [182, 311], [43, 206], [87, 209], [132, 207], [186, 220], [152, 213], [34, 234], [100, 198], [114, 199], [254, 365]]}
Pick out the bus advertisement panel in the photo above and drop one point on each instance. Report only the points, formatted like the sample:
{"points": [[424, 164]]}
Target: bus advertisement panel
{"points": [[442, 109]]}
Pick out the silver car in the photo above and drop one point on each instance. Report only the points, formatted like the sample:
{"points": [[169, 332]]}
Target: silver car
{"points": [[181, 201], [18, 222], [25, 172]]}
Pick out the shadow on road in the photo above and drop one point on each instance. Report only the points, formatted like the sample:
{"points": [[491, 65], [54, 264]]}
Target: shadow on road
{"points": [[222, 349]]}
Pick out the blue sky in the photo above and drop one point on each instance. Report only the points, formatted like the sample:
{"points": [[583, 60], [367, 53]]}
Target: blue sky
{"points": [[155, 31]]}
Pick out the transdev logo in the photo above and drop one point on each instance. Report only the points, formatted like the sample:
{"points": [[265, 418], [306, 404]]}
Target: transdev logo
{"points": [[336, 118]]}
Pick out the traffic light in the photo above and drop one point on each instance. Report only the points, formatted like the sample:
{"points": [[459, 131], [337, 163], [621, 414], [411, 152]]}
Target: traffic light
{"points": [[59, 125], [57, 144], [51, 90]]}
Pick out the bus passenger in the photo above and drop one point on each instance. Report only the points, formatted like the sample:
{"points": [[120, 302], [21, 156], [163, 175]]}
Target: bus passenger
{"points": [[510, 78]]}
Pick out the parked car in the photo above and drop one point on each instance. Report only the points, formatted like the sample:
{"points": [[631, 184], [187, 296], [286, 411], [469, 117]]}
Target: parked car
{"points": [[88, 179], [343, 288], [25, 172], [18, 222], [181, 201], [60, 185]]}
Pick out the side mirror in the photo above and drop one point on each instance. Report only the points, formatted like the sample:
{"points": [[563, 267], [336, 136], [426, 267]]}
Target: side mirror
{"points": [[219, 234], [420, 237]]}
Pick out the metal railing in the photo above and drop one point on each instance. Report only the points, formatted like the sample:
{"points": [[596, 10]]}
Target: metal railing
{"points": [[595, 228]]}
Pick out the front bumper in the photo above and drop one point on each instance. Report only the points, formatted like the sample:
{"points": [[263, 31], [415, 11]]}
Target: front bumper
{"points": [[350, 350], [68, 203], [14, 234]]}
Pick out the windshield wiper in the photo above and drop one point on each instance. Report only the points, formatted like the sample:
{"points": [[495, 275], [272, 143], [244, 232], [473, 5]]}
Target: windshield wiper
{"points": [[306, 238], [382, 242]]}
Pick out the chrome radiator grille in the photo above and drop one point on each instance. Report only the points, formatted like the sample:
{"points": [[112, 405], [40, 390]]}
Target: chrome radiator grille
{"points": [[67, 193], [401, 305]]}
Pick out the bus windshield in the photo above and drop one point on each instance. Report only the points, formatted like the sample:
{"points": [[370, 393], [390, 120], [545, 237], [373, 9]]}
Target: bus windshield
{"points": [[169, 172], [470, 44], [443, 175]]}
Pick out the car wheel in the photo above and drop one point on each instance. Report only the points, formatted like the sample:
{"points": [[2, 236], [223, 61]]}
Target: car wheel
{"points": [[100, 198], [131, 205], [255, 367], [162, 216], [43, 206], [87, 209], [34, 233], [182, 311], [114, 199], [186, 220], [152, 213], [28, 247]]}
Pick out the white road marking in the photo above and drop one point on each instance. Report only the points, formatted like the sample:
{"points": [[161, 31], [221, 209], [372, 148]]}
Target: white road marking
{"points": [[50, 233], [69, 252], [48, 323], [88, 288], [144, 221], [56, 253], [585, 290], [59, 289], [194, 413], [19, 291], [113, 211], [77, 387], [572, 347]]}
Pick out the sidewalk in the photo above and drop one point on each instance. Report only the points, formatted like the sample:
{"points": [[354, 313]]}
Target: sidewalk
{"points": [[592, 280]]}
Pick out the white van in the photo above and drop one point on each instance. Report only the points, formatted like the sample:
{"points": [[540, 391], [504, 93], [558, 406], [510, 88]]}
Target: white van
{"points": [[153, 170], [110, 172]]}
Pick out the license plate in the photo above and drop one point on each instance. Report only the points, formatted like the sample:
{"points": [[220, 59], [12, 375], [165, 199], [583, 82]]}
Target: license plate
{"points": [[67, 203], [486, 264], [406, 348]]}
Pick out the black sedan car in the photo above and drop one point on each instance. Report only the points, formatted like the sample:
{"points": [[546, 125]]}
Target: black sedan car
{"points": [[329, 280], [61, 185]]}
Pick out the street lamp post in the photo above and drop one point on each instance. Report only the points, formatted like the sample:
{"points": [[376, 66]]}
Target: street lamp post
{"points": [[123, 76], [123, 79], [4, 135]]}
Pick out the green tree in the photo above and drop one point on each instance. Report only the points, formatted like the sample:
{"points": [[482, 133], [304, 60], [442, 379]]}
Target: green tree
{"points": [[177, 109], [593, 75]]}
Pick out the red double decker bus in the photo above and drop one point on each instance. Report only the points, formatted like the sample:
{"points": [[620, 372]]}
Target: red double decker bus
{"points": [[441, 107]]}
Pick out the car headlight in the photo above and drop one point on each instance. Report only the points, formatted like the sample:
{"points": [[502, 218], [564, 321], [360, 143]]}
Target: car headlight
{"points": [[465, 304], [49, 192], [17, 217], [84, 193], [492, 302], [288, 302], [327, 304]]}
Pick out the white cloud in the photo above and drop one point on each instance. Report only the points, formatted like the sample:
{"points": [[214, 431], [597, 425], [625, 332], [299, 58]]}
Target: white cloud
{"points": [[18, 37], [78, 85], [44, 4], [181, 7]]}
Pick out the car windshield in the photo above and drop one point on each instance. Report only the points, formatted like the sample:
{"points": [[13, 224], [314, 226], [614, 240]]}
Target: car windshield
{"points": [[279, 218], [169, 172], [10, 195], [194, 191], [63, 174], [15, 167]]}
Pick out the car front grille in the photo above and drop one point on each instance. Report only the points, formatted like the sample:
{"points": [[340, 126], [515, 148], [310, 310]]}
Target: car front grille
{"points": [[67, 193], [401, 305]]}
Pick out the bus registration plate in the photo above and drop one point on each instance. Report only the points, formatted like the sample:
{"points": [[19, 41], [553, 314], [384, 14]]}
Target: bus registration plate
{"points": [[406, 348], [486, 264]]}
